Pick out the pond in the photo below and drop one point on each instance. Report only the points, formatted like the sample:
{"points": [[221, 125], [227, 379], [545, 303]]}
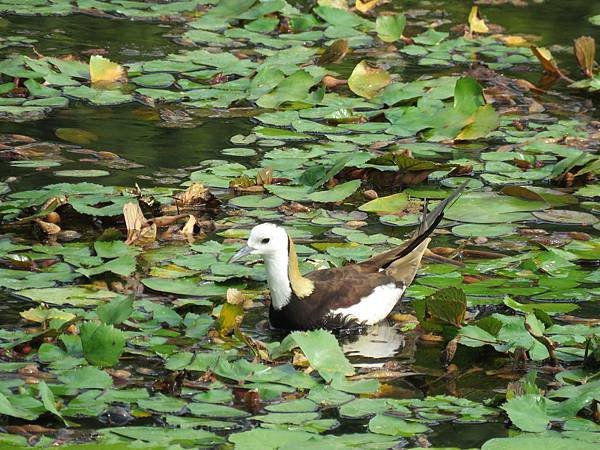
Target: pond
{"points": [[141, 141]]}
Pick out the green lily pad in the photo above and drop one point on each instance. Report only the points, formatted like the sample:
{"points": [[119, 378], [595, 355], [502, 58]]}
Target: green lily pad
{"points": [[483, 230], [256, 201], [82, 173], [366, 80], [76, 135], [567, 216], [394, 426], [389, 204], [336, 194], [389, 28], [184, 286], [102, 344], [487, 207]]}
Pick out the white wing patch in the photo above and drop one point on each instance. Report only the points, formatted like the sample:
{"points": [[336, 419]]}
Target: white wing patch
{"points": [[374, 307]]}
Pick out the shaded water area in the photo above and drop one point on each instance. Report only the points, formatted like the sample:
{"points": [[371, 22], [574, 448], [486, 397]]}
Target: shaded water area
{"points": [[157, 145]]}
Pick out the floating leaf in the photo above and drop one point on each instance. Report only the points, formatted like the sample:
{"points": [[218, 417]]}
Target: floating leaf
{"points": [[395, 426], [528, 412], [104, 70], [483, 230], [81, 173], [76, 135], [336, 194], [390, 27], [102, 344], [567, 216], [184, 286], [367, 80], [116, 311], [323, 352], [389, 204]]}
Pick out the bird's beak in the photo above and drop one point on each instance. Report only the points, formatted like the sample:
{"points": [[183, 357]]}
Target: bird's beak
{"points": [[240, 254]]}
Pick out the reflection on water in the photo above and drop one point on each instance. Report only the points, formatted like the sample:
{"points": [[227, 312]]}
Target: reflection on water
{"points": [[379, 343], [123, 40], [131, 134]]}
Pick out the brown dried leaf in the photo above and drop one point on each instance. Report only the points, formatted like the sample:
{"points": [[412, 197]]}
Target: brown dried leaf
{"points": [[546, 59], [138, 230], [237, 297], [334, 53], [585, 52], [193, 195], [264, 176], [165, 221], [332, 82], [448, 353], [48, 228]]}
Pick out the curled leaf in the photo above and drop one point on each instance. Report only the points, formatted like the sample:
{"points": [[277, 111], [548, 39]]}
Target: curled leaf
{"points": [[476, 23], [334, 53], [47, 227], [188, 228], [139, 231], [237, 297], [585, 52], [547, 60], [264, 176]]}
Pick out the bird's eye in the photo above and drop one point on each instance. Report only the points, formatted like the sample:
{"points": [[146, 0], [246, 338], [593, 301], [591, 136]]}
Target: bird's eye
{"points": [[265, 241]]}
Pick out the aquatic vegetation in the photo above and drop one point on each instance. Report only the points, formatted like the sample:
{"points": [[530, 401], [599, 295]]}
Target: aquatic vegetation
{"points": [[131, 176]]}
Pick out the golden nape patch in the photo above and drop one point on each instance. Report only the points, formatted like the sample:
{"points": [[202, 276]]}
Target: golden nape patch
{"points": [[301, 286]]}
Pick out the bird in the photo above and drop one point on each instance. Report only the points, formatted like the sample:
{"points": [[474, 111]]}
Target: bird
{"points": [[337, 298]]}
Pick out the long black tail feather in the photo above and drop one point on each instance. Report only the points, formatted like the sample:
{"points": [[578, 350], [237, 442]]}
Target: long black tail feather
{"points": [[429, 222]]}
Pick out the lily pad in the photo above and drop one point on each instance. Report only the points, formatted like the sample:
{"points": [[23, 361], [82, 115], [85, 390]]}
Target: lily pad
{"points": [[483, 230], [256, 201], [82, 173], [567, 216], [367, 80], [389, 204]]}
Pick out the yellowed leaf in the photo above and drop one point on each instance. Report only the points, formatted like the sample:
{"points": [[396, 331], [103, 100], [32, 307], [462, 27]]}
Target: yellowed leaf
{"points": [[546, 59], [188, 228], [340, 4], [365, 6], [585, 52], [514, 41], [147, 235], [104, 70], [138, 229], [230, 318], [476, 23], [367, 80]]}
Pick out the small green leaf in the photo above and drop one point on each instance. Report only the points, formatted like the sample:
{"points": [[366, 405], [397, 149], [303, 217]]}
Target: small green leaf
{"points": [[116, 311], [102, 344]]}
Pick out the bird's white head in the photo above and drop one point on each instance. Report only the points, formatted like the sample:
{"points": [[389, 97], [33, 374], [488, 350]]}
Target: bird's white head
{"points": [[266, 239]]}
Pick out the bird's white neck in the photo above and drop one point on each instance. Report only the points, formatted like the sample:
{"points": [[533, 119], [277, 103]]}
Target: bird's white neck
{"points": [[278, 278]]}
